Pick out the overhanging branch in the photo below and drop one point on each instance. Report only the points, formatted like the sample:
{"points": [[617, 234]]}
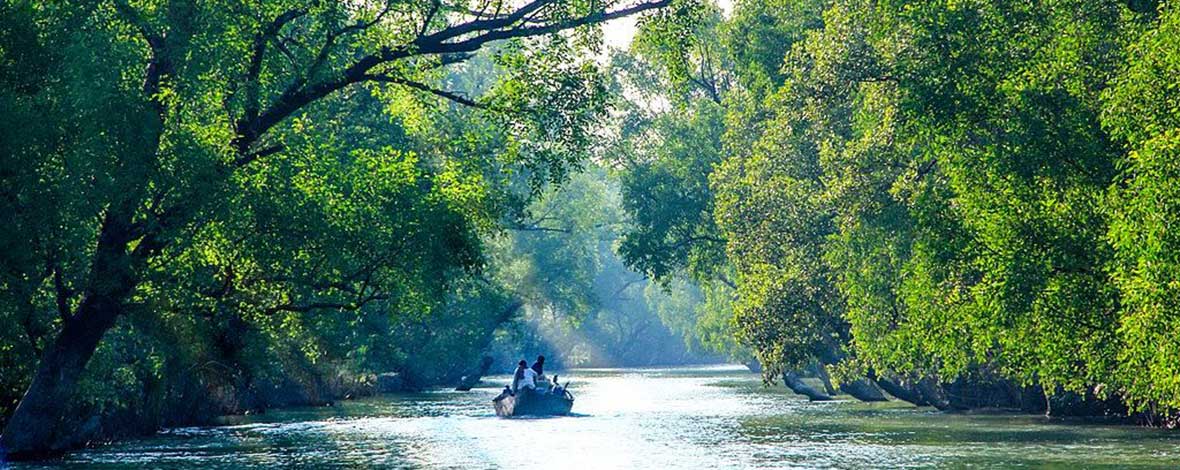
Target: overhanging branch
{"points": [[463, 100], [312, 306], [443, 43]]}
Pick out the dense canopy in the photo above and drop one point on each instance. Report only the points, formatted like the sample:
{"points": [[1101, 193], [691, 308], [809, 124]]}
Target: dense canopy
{"points": [[948, 198]]}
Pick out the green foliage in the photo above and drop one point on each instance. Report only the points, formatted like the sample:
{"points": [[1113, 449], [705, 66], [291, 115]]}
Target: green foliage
{"points": [[1141, 108], [667, 195], [553, 103], [955, 241], [271, 196], [932, 189], [672, 120], [279, 196], [582, 305]]}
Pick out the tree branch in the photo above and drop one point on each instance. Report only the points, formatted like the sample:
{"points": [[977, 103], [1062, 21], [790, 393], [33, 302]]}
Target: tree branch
{"points": [[258, 51], [627, 285], [131, 15], [158, 65], [62, 294], [246, 159], [434, 7], [423, 87], [299, 94], [535, 228], [330, 42], [302, 308]]}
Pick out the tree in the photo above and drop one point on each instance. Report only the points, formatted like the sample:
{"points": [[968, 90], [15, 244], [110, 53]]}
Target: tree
{"points": [[675, 80], [1141, 111], [920, 191], [189, 100], [582, 305], [663, 153]]}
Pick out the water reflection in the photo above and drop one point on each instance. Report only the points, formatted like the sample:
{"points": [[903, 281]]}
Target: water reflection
{"points": [[709, 417]]}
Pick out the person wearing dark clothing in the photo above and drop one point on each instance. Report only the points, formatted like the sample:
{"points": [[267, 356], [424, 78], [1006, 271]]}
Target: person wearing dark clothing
{"points": [[539, 366]]}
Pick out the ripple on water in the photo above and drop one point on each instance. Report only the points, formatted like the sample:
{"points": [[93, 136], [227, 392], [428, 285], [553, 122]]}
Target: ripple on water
{"points": [[710, 417]]}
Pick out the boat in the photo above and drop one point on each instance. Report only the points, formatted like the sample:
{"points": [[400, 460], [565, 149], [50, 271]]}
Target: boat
{"points": [[528, 402]]}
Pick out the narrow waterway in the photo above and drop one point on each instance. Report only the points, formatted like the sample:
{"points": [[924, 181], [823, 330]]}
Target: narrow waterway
{"points": [[705, 417]]}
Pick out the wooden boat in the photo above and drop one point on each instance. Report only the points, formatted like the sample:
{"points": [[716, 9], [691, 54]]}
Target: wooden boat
{"points": [[531, 403]]}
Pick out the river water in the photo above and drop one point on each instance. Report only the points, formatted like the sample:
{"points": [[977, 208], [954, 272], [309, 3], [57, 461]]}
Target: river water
{"points": [[697, 417]]}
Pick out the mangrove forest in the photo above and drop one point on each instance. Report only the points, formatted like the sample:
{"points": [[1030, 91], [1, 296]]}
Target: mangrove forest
{"points": [[220, 209]]}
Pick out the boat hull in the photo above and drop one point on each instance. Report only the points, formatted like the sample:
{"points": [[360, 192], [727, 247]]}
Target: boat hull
{"points": [[529, 403]]}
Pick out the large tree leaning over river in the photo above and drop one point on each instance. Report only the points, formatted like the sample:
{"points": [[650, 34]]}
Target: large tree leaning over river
{"points": [[221, 79]]}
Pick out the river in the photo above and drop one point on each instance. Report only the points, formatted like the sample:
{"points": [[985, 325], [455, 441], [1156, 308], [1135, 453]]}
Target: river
{"points": [[697, 417]]}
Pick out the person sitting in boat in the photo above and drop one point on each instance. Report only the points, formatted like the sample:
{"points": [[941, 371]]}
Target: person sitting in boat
{"points": [[525, 378], [543, 382], [518, 376]]}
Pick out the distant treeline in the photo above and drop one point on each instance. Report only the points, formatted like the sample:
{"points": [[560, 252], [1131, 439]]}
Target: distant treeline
{"points": [[972, 203]]}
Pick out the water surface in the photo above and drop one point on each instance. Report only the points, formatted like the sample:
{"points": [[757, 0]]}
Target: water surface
{"points": [[702, 417]]}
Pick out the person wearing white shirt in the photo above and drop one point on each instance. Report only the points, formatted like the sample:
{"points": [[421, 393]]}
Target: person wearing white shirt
{"points": [[529, 380], [524, 377]]}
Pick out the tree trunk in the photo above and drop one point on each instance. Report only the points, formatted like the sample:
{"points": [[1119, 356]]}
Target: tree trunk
{"points": [[754, 366], [821, 371], [933, 393], [901, 392], [1061, 403], [38, 425], [793, 382], [863, 390], [469, 381]]}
